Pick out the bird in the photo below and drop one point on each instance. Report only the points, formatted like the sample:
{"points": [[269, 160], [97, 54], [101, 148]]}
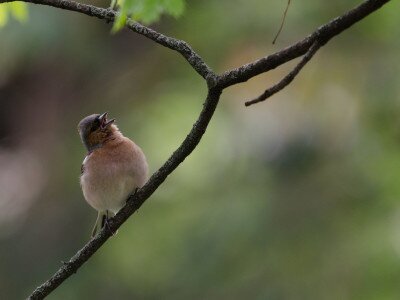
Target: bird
{"points": [[114, 167]]}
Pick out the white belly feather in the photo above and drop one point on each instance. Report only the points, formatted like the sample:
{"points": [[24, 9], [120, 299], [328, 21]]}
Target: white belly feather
{"points": [[107, 188], [107, 193]]}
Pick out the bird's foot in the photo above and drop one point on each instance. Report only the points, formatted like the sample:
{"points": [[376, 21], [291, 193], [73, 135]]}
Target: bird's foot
{"points": [[106, 224], [108, 227]]}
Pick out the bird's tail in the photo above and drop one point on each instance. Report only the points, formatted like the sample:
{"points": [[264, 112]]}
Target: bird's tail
{"points": [[102, 218]]}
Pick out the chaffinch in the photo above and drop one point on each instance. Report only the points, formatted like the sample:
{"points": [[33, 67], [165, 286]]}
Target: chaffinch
{"points": [[113, 168]]}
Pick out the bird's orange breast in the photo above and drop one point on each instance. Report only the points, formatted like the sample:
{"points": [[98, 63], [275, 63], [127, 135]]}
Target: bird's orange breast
{"points": [[112, 172]]}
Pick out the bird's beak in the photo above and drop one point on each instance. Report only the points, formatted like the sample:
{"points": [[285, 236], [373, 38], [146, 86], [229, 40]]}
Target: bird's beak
{"points": [[103, 117], [103, 120]]}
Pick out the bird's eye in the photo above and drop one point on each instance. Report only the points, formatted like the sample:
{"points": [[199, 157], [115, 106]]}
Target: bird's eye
{"points": [[95, 125]]}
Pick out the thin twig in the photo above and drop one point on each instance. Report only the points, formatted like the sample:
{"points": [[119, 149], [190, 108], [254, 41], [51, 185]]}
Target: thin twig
{"points": [[282, 22], [288, 78], [324, 32]]}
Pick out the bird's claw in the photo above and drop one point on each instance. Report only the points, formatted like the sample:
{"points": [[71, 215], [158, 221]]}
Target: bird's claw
{"points": [[107, 226]]}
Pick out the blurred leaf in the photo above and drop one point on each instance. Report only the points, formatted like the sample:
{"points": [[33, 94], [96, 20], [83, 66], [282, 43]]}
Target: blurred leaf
{"points": [[18, 10], [3, 15], [174, 7], [119, 22], [147, 11]]}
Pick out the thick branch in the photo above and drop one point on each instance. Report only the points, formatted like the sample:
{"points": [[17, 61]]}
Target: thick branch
{"points": [[135, 201], [109, 15], [288, 78], [323, 33]]}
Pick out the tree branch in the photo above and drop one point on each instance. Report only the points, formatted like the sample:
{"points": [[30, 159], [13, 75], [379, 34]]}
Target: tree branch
{"points": [[307, 47], [323, 33], [288, 78], [135, 201], [109, 15]]}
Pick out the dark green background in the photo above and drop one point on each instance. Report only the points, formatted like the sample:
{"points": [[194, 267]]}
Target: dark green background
{"points": [[295, 198]]}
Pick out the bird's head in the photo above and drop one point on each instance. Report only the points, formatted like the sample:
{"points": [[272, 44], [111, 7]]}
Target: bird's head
{"points": [[95, 130]]}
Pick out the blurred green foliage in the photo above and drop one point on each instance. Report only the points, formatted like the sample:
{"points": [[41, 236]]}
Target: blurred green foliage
{"points": [[146, 11], [18, 10], [295, 198]]}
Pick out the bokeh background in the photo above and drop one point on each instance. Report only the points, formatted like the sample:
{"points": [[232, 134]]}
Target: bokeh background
{"points": [[294, 198]]}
